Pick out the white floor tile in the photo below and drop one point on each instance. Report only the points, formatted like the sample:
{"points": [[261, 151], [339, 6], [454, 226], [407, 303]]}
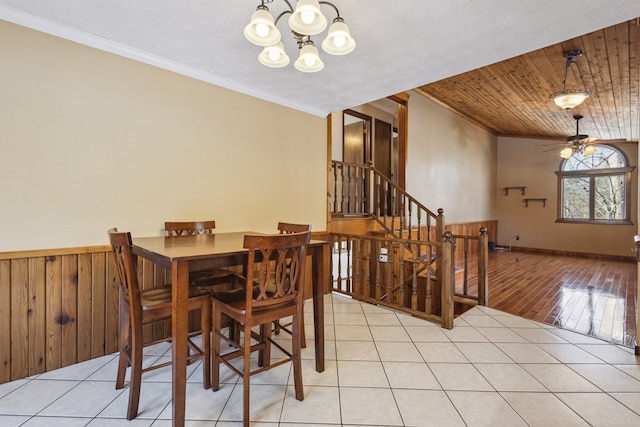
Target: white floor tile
{"points": [[543, 410], [485, 409], [369, 407], [600, 410], [427, 408]]}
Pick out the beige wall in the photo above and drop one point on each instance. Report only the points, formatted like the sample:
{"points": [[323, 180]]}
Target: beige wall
{"points": [[90, 140], [451, 163], [530, 163]]}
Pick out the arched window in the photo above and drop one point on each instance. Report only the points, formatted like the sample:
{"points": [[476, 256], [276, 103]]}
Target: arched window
{"points": [[595, 188]]}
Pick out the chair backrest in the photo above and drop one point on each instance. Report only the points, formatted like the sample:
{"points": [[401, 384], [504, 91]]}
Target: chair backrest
{"points": [[126, 268], [189, 228], [275, 266], [286, 228]]}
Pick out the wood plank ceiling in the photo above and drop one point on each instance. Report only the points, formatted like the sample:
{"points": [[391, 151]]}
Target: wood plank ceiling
{"points": [[511, 98]]}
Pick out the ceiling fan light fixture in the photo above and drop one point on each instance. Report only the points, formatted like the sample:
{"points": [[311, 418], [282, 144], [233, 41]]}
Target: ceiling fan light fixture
{"points": [[305, 20], [566, 153], [568, 99], [589, 150]]}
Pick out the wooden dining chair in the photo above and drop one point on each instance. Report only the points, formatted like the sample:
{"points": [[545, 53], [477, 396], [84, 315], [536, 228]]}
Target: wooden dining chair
{"points": [[207, 278], [141, 306], [287, 228], [257, 302]]}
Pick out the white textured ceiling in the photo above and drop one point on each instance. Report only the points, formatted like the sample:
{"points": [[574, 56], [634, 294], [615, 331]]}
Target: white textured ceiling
{"points": [[401, 44]]}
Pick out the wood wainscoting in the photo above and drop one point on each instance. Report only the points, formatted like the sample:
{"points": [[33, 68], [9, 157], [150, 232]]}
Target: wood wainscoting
{"points": [[60, 307], [57, 308]]}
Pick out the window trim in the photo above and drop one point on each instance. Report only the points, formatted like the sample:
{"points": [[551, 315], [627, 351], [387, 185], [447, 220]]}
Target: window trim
{"points": [[591, 173]]}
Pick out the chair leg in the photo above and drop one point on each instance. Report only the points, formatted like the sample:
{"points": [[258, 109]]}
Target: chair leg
{"points": [[215, 348], [123, 361], [205, 326], [136, 372], [303, 338], [264, 354], [246, 375], [296, 352], [124, 358]]}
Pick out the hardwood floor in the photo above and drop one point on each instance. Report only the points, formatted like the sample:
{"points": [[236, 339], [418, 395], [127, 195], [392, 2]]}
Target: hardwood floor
{"points": [[592, 296]]}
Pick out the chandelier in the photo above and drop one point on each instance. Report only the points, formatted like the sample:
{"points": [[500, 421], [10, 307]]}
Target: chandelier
{"points": [[305, 20], [571, 98]]}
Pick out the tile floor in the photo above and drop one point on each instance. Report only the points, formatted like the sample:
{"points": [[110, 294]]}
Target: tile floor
{"points": [[383, 369]]}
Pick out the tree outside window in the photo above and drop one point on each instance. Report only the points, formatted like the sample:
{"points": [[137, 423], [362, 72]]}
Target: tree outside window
{"points": [[595, 188]]}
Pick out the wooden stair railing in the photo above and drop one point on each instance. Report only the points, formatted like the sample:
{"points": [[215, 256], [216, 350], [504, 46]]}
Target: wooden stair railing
{"points": [[386, 271], [362, 191]]}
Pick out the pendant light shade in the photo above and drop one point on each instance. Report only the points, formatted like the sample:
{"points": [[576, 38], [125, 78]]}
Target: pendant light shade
{"points": [[307, 18], [309, 60], [262, 30], [338, 41], [571, 98], [274, 56]]}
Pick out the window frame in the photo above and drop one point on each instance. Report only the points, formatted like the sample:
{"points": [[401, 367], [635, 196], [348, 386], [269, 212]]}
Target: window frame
{"points": [[591, 174]]}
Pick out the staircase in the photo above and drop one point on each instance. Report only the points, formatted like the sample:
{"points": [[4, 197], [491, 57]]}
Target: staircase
{"points": [[389, 249]]}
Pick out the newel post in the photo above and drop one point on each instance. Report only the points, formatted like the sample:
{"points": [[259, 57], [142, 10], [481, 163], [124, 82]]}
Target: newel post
{"points": [[447, 282], [483, 264]]}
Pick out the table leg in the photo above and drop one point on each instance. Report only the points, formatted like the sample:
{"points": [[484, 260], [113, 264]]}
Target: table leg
{"points": [[320, 275], [179, 328]]}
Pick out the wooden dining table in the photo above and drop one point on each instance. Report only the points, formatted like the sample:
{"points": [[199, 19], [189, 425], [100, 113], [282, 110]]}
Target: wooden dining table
{"points": [[184, 254]]}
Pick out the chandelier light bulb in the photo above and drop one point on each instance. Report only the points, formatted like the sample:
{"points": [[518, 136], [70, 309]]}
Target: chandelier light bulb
{"points": [[339, 40], [307, 16], [274, 55], [262, 29]]}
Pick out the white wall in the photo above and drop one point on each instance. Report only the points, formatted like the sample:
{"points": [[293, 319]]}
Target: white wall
{"points": [[532, 164], [451, 163], [90, 140]]}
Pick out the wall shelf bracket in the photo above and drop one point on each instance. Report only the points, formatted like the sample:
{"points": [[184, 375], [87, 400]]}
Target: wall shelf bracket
{"points": [[506, 190], [543, 201]]}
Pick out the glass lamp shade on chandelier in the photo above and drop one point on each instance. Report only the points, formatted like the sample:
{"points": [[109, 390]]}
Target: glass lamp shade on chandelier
{"points": [[571, 98], [305, 20]]}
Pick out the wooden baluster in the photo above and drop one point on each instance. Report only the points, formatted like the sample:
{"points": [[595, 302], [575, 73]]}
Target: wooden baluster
{"points": [[414, 276], [357, 267], [366, 268], [446, 281], [483, 262]]}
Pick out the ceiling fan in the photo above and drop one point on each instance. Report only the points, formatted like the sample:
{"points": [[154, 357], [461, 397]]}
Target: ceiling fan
{"points": [[581, 143]]}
